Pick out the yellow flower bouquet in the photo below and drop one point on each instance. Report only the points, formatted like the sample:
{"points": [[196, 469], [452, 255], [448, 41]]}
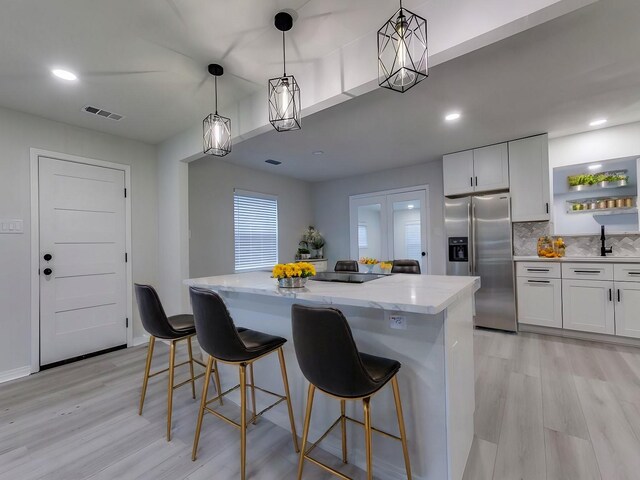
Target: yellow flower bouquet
{"points": [[368, 263], [386, 267], [293, 275]]}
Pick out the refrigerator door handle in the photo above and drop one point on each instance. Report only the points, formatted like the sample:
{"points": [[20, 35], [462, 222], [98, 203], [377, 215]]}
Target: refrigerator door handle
{"points": [[474, 268]]}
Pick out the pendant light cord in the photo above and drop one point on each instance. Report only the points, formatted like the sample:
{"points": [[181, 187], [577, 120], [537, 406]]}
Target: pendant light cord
{"points": [[284, 56], [216, 90]]}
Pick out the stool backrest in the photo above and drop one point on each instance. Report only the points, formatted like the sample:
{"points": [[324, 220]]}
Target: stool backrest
{"points": [[346, 266], [326, 351], [154, 319], [217, 334], [406, 266]]}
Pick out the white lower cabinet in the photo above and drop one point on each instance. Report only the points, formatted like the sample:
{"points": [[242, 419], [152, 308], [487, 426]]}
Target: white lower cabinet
{"points": [[588, 306], [627, 297], [540, 301]]}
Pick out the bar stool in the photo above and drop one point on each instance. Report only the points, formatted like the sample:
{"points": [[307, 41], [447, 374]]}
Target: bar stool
{"points": [[406, 266], [346, 266], [329, 359], [241, 347], [175, 329]]}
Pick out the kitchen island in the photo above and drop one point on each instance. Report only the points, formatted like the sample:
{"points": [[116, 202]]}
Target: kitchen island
{"points": [[431, 334]]}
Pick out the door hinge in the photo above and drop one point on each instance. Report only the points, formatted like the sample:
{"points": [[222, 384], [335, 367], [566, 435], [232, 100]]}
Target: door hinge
{"points": [[127, 322], [126, 257], [125, 193]]}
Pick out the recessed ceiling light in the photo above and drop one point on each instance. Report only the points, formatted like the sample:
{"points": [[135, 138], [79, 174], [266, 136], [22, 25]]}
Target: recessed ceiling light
{"points": [[64, 74], [450, 117], [595, 167], [318, 152], [600, 121]]}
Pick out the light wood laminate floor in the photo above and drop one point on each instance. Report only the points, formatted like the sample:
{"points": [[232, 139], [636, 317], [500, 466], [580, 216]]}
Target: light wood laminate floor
{"points": [[546, 408]]}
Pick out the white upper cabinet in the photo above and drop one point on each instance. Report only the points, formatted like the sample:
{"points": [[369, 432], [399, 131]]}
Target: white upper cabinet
{"points": [[458, 173], [480, 170], [491, 168], [529, 179]]}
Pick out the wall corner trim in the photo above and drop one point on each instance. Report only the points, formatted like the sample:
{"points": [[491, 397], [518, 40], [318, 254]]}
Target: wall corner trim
{"points": [[15, 373]]}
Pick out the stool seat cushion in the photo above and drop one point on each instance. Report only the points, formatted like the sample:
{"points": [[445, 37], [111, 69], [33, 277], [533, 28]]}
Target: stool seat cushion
{"points": [[380, 369], [258, 343], [183, 323]]}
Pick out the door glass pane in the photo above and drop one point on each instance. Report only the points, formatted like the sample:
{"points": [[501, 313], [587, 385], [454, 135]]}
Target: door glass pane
{"points": [[369, 231], [407, 231]]}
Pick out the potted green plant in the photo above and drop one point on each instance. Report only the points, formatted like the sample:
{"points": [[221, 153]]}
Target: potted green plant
{"points": [[315, 240]]}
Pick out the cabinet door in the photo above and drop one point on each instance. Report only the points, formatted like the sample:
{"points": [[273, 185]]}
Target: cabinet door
{"points": [[627, 307], [587, 305], [457, 171], [491, 168], [540, 301], [529, 179]]}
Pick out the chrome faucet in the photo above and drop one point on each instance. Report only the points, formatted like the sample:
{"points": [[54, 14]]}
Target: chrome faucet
{"points": [[603, 249]]}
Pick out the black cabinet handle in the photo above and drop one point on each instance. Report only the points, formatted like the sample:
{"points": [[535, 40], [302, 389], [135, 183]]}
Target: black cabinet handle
{"points": [[476, 181], [47, 257], [618, 295], [47, 271], [587, 271], [537, 269], [547, 207], [610, 295], [471, 180], [538, 281]]}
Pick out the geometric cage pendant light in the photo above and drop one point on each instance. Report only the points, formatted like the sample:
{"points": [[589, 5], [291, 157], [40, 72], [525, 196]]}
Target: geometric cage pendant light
{"points": [[216, 130], [284, 93], [402, 51]]}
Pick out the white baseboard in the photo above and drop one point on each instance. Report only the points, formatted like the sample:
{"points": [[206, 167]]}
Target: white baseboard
{"points": [[140, 340], [15, 373]]}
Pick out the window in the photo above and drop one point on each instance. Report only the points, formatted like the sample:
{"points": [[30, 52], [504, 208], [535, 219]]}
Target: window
{"points": [[412, 240], [255, 223], [362, 236]]}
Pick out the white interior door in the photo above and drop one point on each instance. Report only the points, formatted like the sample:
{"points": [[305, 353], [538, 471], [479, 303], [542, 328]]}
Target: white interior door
{"points": [[82, 259], [407, 228], [390, 225]]}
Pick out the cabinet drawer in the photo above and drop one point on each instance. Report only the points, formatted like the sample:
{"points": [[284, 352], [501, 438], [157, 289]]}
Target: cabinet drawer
{"points": [[626, 272], [538, 269], [587, 271]]}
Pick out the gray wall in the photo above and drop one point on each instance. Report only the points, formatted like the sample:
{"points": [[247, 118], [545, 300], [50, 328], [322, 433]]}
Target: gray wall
{"points": [[19, 132], [331, 206], [211, 184]]}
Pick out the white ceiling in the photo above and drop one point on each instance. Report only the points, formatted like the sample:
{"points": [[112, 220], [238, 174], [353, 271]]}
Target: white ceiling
{"points": [[552, 78], [147, 59]]}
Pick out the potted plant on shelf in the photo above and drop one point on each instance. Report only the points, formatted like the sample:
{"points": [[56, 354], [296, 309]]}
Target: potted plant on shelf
{"points": [[313, 238], [303, 251], [293, 275]]}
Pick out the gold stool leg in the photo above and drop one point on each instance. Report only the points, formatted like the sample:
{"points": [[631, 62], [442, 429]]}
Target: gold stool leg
{"points": [[305, 430], [172, 362], [217, 379], [253, 393], [193, 378], [243, 419], [403, 434], [285, 381], [147, 369], [343, 426], [367, 436], [203, 403]]}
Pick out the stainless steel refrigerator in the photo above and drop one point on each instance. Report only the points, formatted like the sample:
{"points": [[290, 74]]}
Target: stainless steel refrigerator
{"points": [[479, 243]]}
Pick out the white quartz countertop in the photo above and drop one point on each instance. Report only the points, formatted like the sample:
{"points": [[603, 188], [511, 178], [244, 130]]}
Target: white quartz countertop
{"points": [[426, 294], [580, 259]]}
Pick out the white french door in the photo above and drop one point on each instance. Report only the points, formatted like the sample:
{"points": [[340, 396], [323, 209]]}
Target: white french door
{"points": [[83, 286], [390, 225]]}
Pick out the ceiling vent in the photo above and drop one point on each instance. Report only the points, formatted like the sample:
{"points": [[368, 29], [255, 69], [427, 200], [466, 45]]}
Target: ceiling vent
{"points": [[272, 162], [102, 113]]}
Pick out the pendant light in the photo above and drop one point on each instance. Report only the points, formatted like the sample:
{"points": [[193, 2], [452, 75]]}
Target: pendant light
{"points": [[284, 94], [216, 130], [402, 51]]}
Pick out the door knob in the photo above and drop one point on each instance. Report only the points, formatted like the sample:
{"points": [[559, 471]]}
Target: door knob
{"points": [[47, 271], [424, 254], [47, 257]]}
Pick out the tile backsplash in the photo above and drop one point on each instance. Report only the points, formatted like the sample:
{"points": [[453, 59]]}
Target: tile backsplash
{"points": [[525, 238]]}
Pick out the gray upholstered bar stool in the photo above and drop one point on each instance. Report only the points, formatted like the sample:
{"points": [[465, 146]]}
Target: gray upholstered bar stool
{"points": [[406, 266], [346, 266], [241, 347], [330, 361], [174, 329]]}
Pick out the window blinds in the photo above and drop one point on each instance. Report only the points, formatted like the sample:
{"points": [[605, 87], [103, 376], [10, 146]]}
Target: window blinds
{"points": [[255, 218]]}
